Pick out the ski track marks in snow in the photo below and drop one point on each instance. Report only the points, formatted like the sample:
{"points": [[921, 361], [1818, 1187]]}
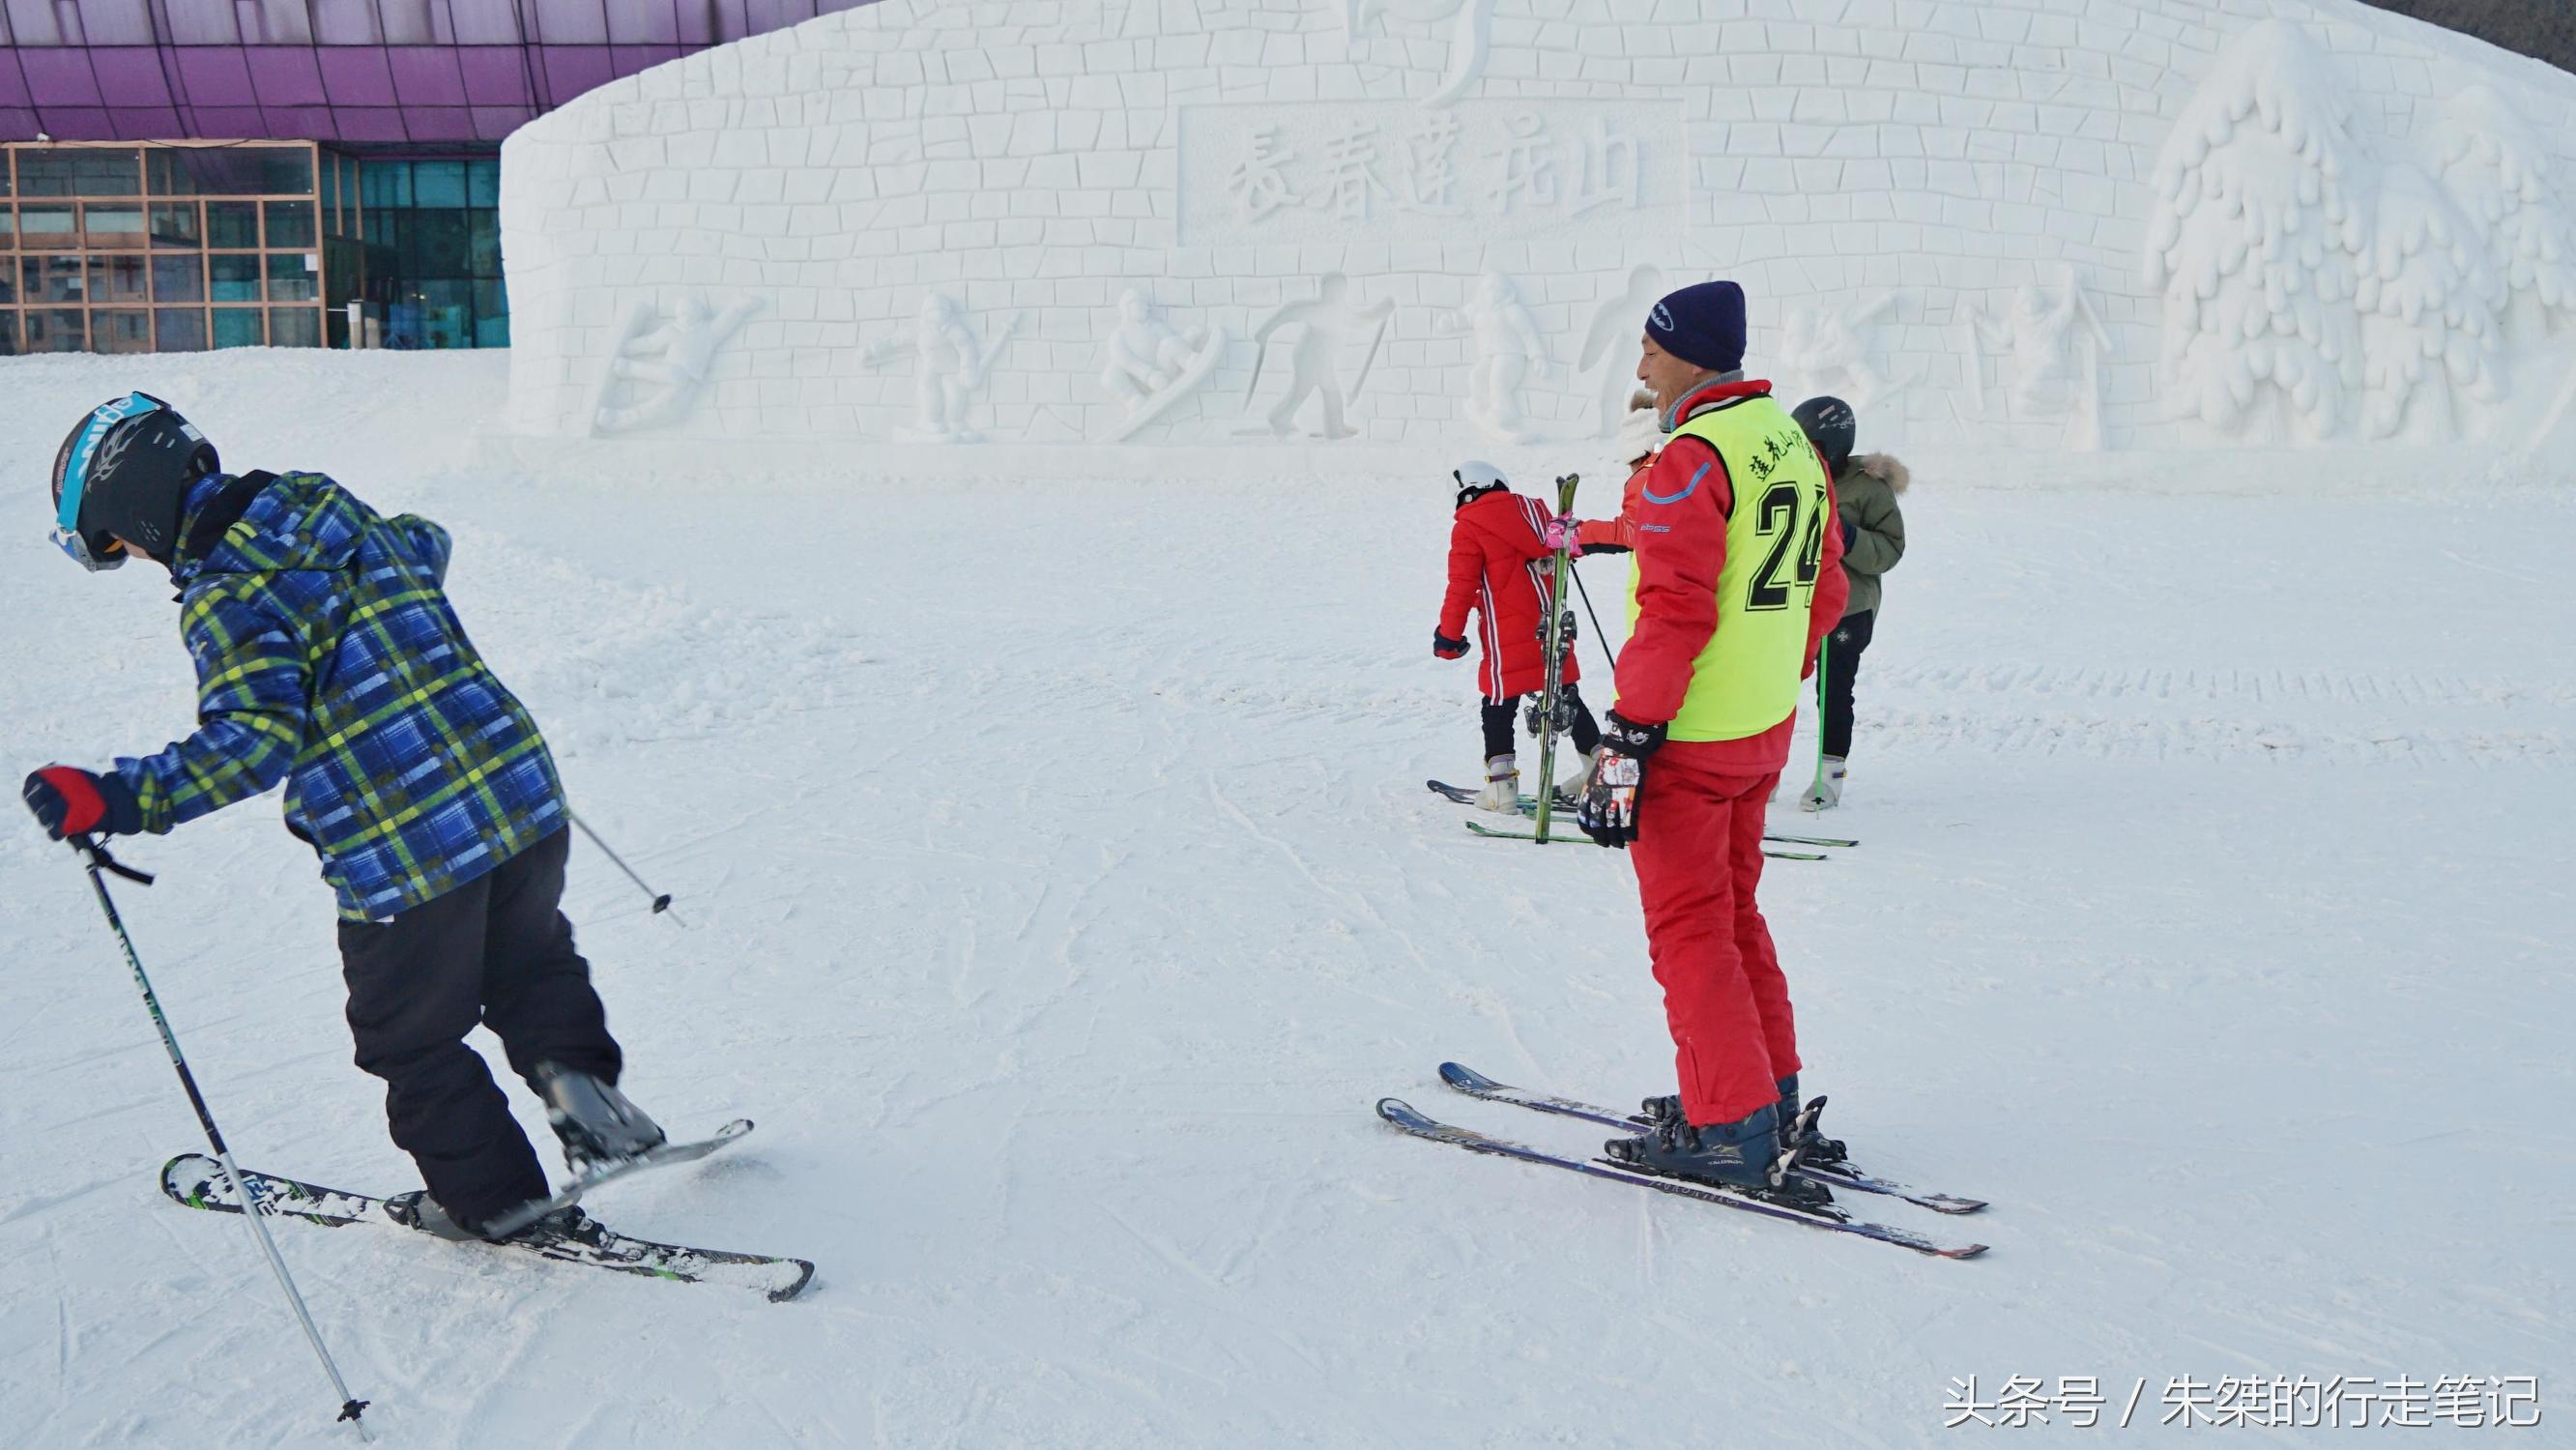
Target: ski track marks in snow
{"points": [[2213, 713]]}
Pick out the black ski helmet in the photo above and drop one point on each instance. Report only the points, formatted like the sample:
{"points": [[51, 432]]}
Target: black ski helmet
{"points": [[123, 474], [1829, 425]]}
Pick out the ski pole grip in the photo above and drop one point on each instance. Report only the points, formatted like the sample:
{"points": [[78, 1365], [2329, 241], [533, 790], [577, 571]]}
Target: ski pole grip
{"points": [[95, 852]]}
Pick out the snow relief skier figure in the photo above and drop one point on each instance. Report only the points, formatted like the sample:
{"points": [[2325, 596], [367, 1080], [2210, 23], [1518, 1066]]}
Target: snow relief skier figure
{"points": [[328, 657], [1322, 324], [1738, 574], [1500, 549], [1508, 351]]}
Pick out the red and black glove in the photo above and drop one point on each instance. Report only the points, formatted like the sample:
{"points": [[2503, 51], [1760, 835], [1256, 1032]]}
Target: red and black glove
{"points": [[1609, 810], [1447, 648], [69, 802]]}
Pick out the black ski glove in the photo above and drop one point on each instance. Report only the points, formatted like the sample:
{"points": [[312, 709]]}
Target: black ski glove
{"points": [[1609, 811], [71, 802], [1447, 648]]}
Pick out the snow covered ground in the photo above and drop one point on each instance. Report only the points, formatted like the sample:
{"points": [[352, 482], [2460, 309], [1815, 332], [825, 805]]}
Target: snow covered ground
{"points": [[1059, 893]]}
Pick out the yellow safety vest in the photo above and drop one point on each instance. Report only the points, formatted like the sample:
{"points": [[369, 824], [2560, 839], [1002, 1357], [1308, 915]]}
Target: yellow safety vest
{"points": [[1747, 678]]}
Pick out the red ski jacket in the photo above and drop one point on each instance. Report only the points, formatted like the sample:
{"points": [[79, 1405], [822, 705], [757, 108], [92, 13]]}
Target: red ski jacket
{"points": [[1500, 566], [1681, 549], [1619, 535]]}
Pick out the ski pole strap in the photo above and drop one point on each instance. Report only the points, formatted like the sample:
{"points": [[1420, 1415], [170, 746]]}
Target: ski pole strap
{"points": [[94, 852]]}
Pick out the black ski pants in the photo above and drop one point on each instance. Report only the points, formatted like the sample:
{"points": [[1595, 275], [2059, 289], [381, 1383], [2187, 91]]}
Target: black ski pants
{"points": [[1499, 716], [1843, 648], [497, 951]]}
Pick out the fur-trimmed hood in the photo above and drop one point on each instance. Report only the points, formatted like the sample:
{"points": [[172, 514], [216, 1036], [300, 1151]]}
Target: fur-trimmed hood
{"points": [[1884, 468]]}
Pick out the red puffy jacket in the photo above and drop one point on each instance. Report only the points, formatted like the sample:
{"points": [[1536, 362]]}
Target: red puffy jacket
{"points": [[1500, 566]]}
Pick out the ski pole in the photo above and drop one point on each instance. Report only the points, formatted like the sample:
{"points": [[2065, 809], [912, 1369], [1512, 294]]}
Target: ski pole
{"points": [[661, 900], [1598, 637], [95, 859]]}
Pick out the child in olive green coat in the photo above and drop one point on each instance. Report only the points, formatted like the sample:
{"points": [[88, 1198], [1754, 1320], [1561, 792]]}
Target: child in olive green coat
{"points": [[1865, 490]]}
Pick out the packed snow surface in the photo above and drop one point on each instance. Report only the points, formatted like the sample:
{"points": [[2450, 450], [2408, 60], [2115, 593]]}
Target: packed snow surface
{"points": [[1057, 888]]}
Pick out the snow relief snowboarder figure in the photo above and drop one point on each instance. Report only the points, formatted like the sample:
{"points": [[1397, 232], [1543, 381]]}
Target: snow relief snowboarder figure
{"points": [[675, 357], [329, 658], [950, 364], [1146, 353], [1323, 324], [1508, 351]]}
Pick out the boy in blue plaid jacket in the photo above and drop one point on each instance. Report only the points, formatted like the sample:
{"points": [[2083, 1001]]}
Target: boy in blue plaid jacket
{"points": [[329, 658]]}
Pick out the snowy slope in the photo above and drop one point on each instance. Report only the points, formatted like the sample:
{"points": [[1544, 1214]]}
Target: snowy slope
{"points": [[1059, 893]]}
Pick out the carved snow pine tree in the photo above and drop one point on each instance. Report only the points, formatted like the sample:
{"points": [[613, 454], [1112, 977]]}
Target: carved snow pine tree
{"points": [[2499, 173], [2258, 220], [2432, 307]]}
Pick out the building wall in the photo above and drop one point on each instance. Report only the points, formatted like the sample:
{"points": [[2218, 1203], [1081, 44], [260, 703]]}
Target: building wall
{"points": [[1907, 191]]}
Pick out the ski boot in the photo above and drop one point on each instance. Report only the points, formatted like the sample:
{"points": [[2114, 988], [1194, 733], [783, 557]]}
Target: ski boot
{"points": [[1502, 790], [1798, 1128], [598, 1126], [1743, 1155], [417, 1209], [1827, 792], [1569, 791]]}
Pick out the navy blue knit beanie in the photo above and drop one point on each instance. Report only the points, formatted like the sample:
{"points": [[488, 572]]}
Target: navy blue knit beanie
{"points": [[1702, 323]]}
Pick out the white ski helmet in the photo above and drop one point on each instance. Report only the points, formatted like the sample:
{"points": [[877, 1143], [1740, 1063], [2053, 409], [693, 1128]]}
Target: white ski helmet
{"points": [[1477, 474]]}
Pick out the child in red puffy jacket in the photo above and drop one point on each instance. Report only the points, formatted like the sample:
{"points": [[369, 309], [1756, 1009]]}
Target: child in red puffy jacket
{"points": [[1499, 566]]}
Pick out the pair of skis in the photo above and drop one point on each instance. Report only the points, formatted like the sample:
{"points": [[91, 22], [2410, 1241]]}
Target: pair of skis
{"points": [[197, 1181], [1529, 806], [1407, 1118]]}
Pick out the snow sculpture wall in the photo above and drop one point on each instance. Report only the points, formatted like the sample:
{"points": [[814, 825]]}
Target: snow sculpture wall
{"points": [[2035, 223]]}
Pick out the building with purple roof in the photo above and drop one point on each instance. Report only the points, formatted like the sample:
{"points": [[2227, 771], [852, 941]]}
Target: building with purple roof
{"points": [[187, 174]]}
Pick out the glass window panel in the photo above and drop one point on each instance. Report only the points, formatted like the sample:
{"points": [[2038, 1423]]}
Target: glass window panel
{"points": [[237, 327], [8, 226], [8, 334], [295, 327], [48, 226], [438, 183], [232, 279], [483, 182], [232, 170], [113, 224], [179, 279], [51, 331], [290, 280], [176, 225], [446, 246], [179, 329], [9, 280], [385, 183], [120, 330], [51, 279], [491, 315], [79, 171], [6, 171], [483, 238], [290, 224], [232, 224], [330, 186], [118, 279]]}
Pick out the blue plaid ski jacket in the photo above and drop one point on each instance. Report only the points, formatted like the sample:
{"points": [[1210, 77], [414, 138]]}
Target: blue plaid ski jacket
{"points": [[328, 657]]}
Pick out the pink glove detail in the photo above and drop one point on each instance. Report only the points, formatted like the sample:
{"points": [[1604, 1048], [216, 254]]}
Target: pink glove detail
{"points": [[1559, 534]]}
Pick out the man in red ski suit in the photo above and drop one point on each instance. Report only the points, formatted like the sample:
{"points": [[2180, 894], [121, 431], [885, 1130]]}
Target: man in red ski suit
{"points": [[1738, 578], [1498, 566]]}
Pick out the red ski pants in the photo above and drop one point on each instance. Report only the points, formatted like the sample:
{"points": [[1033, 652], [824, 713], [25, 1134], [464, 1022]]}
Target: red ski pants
{"points": [[1699, 861]]}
